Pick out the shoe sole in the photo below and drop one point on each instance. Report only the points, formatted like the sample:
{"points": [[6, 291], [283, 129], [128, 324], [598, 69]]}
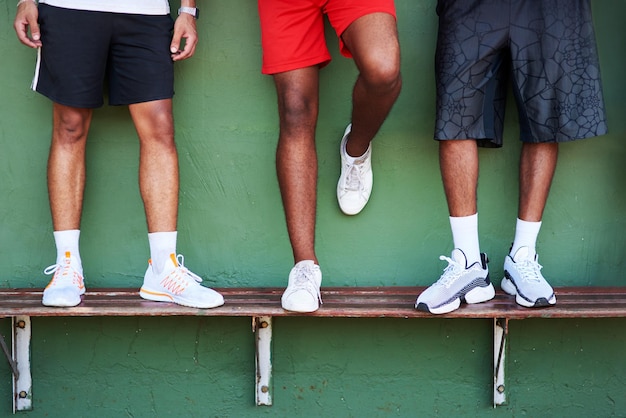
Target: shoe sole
{"points": [[508, 285], [61, 304], [164, 297], [476, 295], [299, 310]]}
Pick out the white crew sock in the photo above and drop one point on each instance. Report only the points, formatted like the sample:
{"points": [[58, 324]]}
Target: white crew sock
{"points": [[162, 244], [526, 236], [65, 241], [465, 236]]}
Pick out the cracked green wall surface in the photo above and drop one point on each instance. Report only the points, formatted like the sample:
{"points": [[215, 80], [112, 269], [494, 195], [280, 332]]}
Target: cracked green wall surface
{"points": [[232, 232]]}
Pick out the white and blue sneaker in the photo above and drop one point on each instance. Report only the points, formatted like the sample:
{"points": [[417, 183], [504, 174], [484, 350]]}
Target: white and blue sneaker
{"points": [[179, 285], [458, 283], [523, 279], [356, 180], [303, 290]]}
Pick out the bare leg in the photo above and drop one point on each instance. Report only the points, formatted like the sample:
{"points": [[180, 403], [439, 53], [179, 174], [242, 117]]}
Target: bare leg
{"points": [[458, 160], [373, 42], [66, 183], [66, 165], [523, 277], [296, 157], [537, 166], [158, 167], [466, 276]]}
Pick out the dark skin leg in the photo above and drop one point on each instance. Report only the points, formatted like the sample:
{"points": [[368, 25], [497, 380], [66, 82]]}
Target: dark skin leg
{"points": [[373, 42]]}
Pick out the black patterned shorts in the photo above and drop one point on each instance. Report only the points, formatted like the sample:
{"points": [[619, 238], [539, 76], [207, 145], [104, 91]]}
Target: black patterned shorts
{"points": [[548, 48]]}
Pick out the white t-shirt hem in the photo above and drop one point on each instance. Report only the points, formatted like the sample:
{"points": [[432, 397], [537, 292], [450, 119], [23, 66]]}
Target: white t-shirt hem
{"points": [[143, 7]]}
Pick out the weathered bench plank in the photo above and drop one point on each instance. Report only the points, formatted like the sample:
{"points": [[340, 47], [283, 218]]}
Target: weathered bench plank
{"points": [[262, 304], [365, 302]]}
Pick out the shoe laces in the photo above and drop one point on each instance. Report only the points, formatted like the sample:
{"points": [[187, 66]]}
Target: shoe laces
{"points": [[354, 177], [63, 273], [451, 273], [304, 279], [177, 280], [530, 270]]}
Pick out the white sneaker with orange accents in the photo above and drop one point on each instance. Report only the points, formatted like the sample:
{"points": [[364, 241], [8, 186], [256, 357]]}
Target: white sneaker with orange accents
{"points": [[179, 285], [67, 284]]}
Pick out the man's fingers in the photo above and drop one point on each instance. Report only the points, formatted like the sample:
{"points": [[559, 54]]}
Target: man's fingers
{"points": [[34, 29], [184, 32], [26, 19]]}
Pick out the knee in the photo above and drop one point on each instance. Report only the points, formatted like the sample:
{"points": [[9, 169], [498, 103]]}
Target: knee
{"points": [[154, 123], [161, 129], [297, 112], [71, 125], [381, 72]]}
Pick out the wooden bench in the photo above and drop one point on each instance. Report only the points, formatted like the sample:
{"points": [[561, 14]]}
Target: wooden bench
{"points": [[262, 304]]}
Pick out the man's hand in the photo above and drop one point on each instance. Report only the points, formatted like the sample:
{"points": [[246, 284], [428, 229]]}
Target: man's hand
{"points": [[184, 28], [25, 20]]}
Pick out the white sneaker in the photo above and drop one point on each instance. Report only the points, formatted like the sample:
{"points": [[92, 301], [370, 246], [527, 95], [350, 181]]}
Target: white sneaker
{"points": [[303, 291], [356, 180], [459, 282], [67, 284], [523, 279], [179, 285]]}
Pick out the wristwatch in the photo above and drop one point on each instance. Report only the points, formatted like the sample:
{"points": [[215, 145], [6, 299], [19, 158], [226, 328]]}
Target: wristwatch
{"points": [[194, 11]]}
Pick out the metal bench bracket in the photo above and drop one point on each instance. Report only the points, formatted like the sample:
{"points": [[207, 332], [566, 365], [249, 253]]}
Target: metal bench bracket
{"points": [[22, 380], [262, 327], [500, 332]]}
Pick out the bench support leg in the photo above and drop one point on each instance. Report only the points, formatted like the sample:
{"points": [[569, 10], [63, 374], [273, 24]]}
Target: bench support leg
{"points": [[500, 332], [9, 355], [22, 380], [262, 327]]}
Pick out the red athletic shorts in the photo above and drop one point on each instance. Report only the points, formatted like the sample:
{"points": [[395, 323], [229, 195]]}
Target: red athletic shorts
{"points": [[292, 31]]}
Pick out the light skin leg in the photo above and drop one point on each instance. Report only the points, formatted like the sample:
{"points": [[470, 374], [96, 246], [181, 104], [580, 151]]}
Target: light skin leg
{"points": [[66, 165], [158, 173], [158, 165]]}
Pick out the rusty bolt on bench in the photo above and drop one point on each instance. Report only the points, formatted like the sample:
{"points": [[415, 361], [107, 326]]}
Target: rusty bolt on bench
{"points": [[264, 324], [501, 389], [265, 389], [21, 324], [23, 394]]}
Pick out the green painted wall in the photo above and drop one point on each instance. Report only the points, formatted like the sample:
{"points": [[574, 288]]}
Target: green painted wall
{"points": [[232, 232]]}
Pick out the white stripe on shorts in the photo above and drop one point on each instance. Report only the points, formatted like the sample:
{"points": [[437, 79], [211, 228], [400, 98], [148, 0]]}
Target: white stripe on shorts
{"points": [[37, 66]]}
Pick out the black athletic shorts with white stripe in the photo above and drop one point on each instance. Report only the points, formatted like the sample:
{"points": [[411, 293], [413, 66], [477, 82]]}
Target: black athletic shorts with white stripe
{"points": [[84, 51], [549, 50]]}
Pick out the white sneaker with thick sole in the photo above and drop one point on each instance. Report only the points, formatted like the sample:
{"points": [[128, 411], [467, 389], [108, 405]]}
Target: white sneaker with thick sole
{"points": [[179, 285], [523, 279], [458, 283], [303, 290], [67, 284], [356, 180]]}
